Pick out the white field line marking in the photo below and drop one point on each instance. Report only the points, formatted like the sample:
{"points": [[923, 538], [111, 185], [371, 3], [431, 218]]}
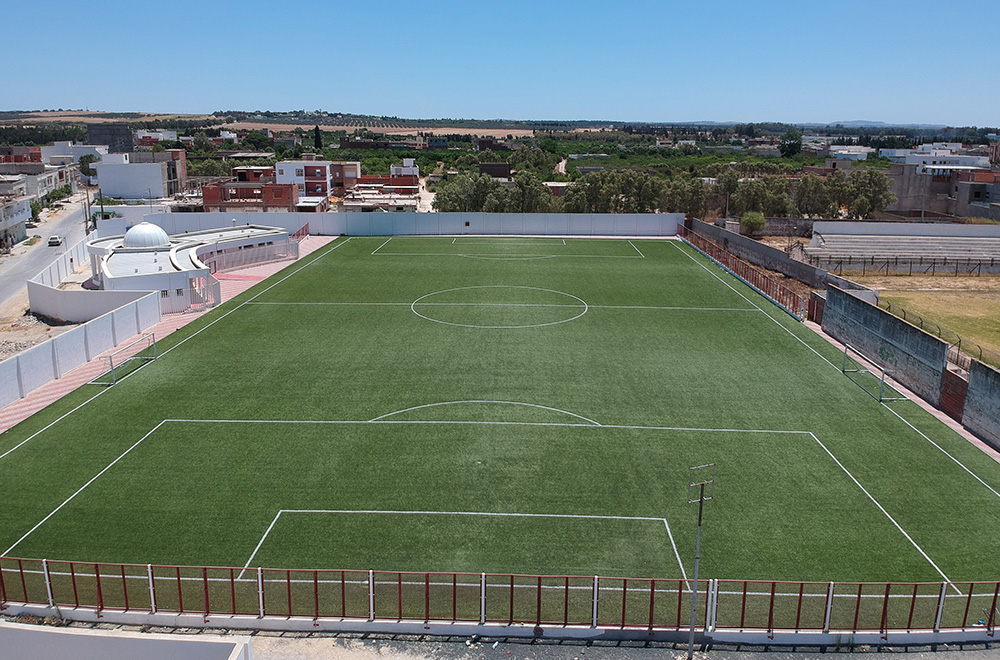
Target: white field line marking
{"points": [[80, 490], [406, 304], [887, 515], [637, 249], [509, 403], [472, 514], [380, 420], [505, 256], [381, 246], [144, 364], [512, 241], [822, 357]]}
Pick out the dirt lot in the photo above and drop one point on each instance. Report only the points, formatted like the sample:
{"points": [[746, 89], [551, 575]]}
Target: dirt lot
{"points": [[19, 330]]}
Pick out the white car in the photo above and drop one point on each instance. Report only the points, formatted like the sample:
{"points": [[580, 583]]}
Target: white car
{"points": [[55, 240]]}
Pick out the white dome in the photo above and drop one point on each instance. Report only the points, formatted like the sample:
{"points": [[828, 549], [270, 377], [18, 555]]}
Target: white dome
{"points": [[146, 235]]}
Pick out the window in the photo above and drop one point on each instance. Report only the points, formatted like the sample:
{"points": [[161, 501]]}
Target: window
{"points": [[298, 171], [180, 292], [281, 172], [164, 294]]}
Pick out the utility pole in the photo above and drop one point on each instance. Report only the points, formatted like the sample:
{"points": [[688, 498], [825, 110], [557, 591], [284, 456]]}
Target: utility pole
{"points": [[699, 477]]}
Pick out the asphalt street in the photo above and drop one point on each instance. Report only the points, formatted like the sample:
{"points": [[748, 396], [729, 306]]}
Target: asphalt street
{"points": [[17, 268]]}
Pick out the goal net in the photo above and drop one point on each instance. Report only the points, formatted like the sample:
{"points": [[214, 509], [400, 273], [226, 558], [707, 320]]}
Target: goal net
{"points": [[125, 360], [868, 375]]}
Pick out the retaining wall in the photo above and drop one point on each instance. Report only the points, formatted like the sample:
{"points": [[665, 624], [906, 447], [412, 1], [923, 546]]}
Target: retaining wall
{"points": [[911, 356], [770, 258], [76, 306], [982, 403]]}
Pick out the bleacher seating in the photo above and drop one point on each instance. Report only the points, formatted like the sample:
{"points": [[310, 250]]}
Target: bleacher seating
{"points": [[828, 248]]}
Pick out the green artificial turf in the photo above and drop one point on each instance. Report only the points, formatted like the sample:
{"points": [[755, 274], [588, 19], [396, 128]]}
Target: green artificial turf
{"points": [[377, 392]]}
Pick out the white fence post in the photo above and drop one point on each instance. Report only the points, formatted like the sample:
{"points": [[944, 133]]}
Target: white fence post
{"points": [[940, 607], [152, 589], [482, 599], [260, 591], [48, 581], [371, 595], [713, 604], [829, 608], [593, 621]]}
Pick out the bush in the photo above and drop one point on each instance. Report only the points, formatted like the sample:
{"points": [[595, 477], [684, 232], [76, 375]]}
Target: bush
{"points": [[752, 221]]}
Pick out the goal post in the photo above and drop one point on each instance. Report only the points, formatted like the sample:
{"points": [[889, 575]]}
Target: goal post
{"points": [[868, 375], [126, 359]]}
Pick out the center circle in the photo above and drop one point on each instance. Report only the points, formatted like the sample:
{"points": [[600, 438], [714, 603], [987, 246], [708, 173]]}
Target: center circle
{"points": [[499, 307]]}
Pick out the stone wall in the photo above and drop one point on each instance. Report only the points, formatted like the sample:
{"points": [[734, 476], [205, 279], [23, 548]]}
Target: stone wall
{"points": [[911, 356], [982, 403]]}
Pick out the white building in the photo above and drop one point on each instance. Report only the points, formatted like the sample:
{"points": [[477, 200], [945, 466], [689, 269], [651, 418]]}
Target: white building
{"points": [[158, 135], [41, 179], [159, 175], [852, 152], [14, 213], [180, 267], [76, 151], [935, 158], [408, 168]]}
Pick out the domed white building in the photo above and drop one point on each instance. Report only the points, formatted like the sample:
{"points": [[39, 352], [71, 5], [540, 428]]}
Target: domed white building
{"points": [[180, 266]]}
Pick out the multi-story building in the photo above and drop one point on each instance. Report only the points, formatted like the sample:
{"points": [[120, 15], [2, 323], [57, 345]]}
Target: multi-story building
{"points": [[15, 211], [147, 138], [41, 179], [118, 137], [248, 196], [437, 142], [253, 173], [318, 178], [141, 175]]}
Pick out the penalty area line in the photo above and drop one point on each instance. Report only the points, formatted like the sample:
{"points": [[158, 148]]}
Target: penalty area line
{"points": [[485, 514]]}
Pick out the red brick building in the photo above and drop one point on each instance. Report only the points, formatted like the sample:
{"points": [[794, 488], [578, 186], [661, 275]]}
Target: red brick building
{"points": [[247, 196]]}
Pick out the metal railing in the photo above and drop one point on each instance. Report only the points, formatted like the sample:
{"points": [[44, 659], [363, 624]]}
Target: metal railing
{"points": [[755, 277], [503, 599]]}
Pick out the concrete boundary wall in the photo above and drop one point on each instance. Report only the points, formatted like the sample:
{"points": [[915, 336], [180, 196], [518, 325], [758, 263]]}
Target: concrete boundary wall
{"points": [[913, 357], [905, 229], [76, 306], [418, 224], [772, 258], [74, 257], [41, 364], [982, 403]]}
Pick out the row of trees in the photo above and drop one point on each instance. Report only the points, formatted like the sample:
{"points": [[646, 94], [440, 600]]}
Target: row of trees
{"points": [[864, 192]]}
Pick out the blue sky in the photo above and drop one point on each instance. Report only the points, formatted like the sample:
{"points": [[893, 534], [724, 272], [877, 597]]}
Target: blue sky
{"points": [[809, 61]]}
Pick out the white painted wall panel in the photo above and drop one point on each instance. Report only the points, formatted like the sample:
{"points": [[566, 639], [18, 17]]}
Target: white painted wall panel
{"points": [[36, 366], [9, 391], [71, 350]]}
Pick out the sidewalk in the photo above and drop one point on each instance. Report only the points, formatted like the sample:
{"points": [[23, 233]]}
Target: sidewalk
{"points": [[232, 284]]}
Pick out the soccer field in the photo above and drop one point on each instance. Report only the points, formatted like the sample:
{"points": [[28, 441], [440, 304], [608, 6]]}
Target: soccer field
{"points": [[516, 405]]}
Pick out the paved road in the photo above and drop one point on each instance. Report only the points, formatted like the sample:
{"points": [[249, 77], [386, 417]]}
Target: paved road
{"points": [[16, 269]]}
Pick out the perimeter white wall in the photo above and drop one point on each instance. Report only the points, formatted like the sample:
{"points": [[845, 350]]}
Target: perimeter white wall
{"points": [[402, 224], [905, 229], [48, 361], [76, 306]]}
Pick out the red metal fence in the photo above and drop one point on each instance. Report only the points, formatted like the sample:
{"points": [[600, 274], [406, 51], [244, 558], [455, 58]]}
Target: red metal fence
{"points": [[759, 279], [485, 598]]}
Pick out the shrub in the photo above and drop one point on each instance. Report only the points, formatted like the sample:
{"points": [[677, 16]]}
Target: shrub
{"points": [[752, 221]]}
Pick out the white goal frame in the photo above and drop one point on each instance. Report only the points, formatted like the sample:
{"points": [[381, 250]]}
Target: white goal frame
{"points": [[866, 365], [116, 360]]}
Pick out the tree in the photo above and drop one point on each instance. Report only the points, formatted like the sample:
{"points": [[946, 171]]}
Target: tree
{"points": [[85, 162], [752, 221], [791, 143], [611, 191], [838, 189], [36, 208], [317, 139], [255, 139], [727, 181], [467, 192], [872, 192], [811, 196]]}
